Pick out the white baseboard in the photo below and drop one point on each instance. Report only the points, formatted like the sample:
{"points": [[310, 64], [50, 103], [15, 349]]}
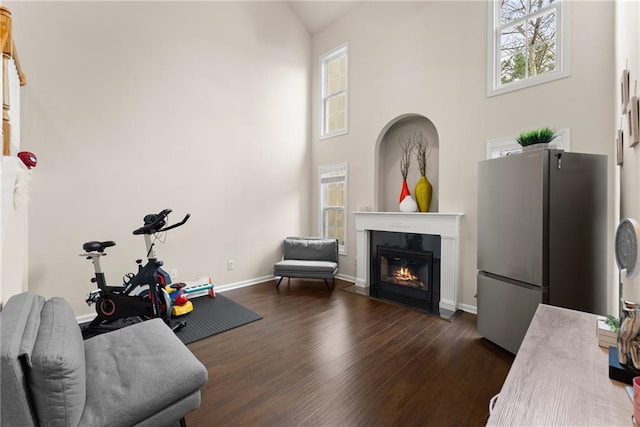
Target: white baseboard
{"points": [[468, 308], [242, 284], [346, 278], [86, 318]]}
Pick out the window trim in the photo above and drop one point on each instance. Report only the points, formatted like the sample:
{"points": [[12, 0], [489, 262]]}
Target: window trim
{"points": [[563, 31], [324, 60], [500, 147], [324, 169]]}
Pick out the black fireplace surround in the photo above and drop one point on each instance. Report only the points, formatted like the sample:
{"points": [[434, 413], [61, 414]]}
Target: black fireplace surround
{"points": [[405, 268]]}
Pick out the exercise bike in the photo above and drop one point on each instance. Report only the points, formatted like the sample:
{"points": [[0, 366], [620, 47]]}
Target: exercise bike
{"points": [[143, 295]]}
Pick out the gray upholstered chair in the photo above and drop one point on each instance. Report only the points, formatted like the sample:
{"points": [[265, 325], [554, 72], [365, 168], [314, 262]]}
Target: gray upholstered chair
{"points": [[308, 257], [141, 375]]}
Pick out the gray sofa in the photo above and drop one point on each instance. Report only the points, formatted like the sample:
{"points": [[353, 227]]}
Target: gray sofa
{"points": [[308, 257], [141, 375]]}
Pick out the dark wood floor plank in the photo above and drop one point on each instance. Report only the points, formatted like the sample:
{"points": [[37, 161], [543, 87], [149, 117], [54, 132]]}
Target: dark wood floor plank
{"points": [[333, 358]]}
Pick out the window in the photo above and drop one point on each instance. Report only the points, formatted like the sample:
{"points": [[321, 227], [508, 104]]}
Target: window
{"points": [[333, 73], [528, 43], [333, 203]]}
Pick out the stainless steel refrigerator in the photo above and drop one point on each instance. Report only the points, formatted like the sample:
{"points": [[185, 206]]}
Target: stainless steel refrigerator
{"points": [[542, 238]]}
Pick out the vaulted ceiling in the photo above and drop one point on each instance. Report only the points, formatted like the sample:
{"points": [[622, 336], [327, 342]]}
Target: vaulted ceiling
{"points": [[317, 15]]}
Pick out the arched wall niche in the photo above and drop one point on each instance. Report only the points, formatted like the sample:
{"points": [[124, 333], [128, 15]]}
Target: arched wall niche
{"points": [[388, 152]]}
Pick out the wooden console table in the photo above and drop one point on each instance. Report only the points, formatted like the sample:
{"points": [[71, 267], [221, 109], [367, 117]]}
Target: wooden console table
{"points": [[560, 377]]}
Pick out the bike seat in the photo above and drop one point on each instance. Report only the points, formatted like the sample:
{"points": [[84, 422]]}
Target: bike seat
{"points": [[94, 246]]}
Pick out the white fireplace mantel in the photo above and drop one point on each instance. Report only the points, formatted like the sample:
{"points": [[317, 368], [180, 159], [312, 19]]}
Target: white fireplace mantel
{"points": [[446, 225]]}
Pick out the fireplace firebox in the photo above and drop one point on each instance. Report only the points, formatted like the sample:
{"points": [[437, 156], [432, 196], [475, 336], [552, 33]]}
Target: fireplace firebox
{"points": [[406, 269]]}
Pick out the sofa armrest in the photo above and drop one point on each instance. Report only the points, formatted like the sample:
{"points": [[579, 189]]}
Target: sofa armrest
{"points": [[57, 377], [19, 320]]}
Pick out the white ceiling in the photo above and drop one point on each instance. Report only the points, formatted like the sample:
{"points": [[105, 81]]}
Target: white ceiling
{"points": [[316, 15]]}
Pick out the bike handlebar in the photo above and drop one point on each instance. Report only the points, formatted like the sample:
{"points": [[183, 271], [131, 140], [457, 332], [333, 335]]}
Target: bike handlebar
{"points": [[178, 224], [154, 223]]}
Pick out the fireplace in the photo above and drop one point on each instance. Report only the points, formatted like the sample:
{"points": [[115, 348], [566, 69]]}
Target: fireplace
{"points": [[405, 268], [445, 225]]}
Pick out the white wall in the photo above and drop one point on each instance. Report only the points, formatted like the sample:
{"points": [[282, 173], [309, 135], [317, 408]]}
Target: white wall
{"points": [[627, 16], [14, 251], [429, 58], [132, 107]]}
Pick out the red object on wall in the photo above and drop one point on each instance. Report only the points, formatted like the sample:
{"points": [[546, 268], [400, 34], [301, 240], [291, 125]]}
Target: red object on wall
{"points": [[405, 191], [29, 159]]}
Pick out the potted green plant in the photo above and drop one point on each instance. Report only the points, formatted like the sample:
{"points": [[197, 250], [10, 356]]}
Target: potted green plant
{"points": [[535, 139]]}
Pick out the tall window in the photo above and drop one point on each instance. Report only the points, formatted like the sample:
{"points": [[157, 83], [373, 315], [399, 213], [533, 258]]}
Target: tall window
{"points": [[334, 92], [529, 43], [333, 203]]}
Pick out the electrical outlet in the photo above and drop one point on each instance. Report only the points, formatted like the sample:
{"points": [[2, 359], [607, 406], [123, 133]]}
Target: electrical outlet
{"points": [[231, 264], [173, 273]]}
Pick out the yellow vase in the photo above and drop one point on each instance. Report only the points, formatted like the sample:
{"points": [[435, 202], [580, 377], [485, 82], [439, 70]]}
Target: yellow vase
{"points": [[423, 193]]}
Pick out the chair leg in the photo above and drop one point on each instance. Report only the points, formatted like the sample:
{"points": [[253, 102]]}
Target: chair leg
{"points": [[183, 422], [281, 277], [327, 284]]}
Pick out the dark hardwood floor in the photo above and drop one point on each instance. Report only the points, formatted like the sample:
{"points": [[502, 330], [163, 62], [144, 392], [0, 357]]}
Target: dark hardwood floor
{"points": [[321, 358]]}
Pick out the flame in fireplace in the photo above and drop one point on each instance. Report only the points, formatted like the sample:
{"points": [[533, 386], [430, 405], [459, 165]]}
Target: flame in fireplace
{"points": [[404, 274]]}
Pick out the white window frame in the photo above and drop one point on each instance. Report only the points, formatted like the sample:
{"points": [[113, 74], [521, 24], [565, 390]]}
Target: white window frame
{"points": [[323, 170], [343, 49], [494, 87]]}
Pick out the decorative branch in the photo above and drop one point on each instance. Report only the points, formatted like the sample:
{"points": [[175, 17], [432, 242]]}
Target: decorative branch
{"points": [[423, 148], [406, 144]]}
